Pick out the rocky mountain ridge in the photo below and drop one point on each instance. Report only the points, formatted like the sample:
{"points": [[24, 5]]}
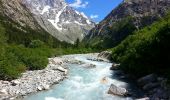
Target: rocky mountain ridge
{"points": [[142, 13], [55, 17]]}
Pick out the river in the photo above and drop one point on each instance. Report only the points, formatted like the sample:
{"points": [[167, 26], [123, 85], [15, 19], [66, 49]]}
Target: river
{"points": [[83, 83]]}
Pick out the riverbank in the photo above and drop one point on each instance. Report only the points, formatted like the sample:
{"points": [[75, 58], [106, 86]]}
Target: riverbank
{"points": [[89, 78], [39, 80], [34, 81], [154, 86]]}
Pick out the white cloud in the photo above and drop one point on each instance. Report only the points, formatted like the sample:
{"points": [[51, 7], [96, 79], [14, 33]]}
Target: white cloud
{"points": [[79, 4], [94, 16]]}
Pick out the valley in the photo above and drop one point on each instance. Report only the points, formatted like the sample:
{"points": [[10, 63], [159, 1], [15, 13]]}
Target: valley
{"points": [[52, 50]]}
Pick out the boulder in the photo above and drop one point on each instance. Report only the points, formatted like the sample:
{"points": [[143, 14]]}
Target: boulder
{"points": [[104, 80], [57, 61], [151, 86], [62, 70], [39, 88], [15, 82], [147, 79], [76, 62], [89, 66], [105, 54], [114, 90], [46, 87], [114, 66]]}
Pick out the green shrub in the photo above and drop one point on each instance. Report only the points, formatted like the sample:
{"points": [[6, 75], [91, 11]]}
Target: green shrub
{"points": [[10, 67], [35, 62], [36, 44], [34, 59]]}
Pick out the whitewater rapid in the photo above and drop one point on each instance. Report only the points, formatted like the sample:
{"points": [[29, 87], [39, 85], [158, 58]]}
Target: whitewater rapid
{"points": [[83, 83]]}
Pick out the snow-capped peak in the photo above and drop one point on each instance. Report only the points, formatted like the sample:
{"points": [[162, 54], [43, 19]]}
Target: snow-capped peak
{"points": [[59, 15]]}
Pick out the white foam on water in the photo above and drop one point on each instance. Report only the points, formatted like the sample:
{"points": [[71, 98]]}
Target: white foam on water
{"points": [[86, 84], [52, 98]]}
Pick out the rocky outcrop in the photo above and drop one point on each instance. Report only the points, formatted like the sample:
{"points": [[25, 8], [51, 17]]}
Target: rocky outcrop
{"points": [[16, 11], [156, 88], [105, 54], [147, 79]]}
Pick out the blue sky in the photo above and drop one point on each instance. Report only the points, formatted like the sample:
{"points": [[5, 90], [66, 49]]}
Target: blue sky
{"points": [[95, 9]]}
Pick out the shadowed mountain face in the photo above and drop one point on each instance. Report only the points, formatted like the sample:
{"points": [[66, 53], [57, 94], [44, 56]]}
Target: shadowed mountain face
{"points": [[53, 16], [127, 17]]}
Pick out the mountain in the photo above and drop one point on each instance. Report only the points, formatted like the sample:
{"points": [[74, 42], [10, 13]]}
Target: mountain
{"points": [[54, 17], [146, 51], [59, 19], [129, 16], [14, 10]]}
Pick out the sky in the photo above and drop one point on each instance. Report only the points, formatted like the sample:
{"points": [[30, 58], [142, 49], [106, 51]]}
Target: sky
{"points": [[94, 9]]}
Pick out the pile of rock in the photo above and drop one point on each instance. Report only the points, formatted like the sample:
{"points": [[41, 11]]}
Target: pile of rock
{"points": [[34, 81], [155, 87]]}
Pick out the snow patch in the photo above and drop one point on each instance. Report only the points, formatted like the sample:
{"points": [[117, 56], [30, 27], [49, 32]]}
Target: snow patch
{"points": [[78, 23], [84, 15], [57, 19], [55, 25], [77, 12], [67, 22], [88, 22], [46, 9]]}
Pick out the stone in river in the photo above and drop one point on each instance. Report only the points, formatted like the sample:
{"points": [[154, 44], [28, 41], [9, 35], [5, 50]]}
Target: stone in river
{"points": [[114, 90]]}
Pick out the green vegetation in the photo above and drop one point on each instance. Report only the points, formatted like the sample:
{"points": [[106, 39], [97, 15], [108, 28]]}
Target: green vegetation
{"points": [[25, 49], [146, 51]]}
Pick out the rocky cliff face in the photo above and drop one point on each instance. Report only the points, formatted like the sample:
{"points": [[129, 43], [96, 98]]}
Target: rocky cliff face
{"points": [[16, 11], [59, 19], [143, 12], [52, 16]]}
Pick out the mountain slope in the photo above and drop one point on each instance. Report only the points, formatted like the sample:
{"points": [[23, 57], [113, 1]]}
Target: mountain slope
{"points": [[130, 15], [45, 18], [14, 10], [147, 51], [59, 19]]}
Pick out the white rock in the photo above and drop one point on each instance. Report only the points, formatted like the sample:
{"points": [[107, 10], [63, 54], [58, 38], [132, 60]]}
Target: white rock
{"points": [[61, 69], [15, 82], [114, 90], [57, 61], [39, 88], [46, 87], [3, 91]]}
